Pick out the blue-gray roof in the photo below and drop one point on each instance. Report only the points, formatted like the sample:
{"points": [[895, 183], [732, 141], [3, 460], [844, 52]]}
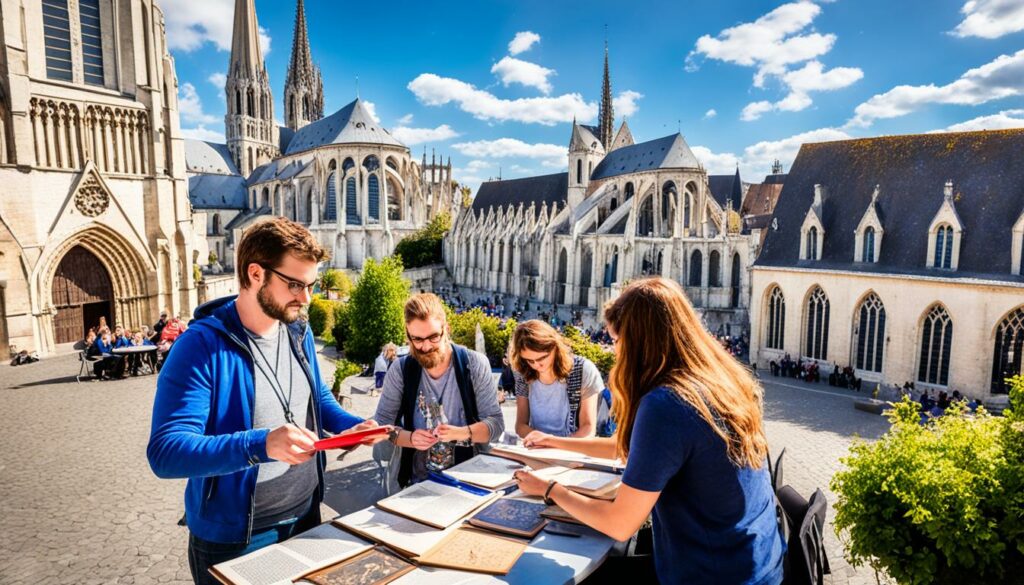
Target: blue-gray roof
{"points": [[542, 190], [276, 170], [212, 191], [349, 125], [208, 157], [670, 152]]}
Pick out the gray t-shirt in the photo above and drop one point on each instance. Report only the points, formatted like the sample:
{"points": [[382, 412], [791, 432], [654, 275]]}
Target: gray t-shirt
{"points": [[445, 391], [549, 403], [282, 491]]}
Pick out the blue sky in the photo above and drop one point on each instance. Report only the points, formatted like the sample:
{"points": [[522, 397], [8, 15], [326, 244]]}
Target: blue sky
{"points": [[495, 85]]}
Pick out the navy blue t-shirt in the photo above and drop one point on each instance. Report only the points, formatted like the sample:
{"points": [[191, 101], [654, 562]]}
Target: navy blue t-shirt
{"points": [[714, 522]]}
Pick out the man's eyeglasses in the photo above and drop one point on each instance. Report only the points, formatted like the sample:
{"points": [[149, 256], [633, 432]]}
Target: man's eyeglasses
{"points": [[294, 286], [434, 338]]}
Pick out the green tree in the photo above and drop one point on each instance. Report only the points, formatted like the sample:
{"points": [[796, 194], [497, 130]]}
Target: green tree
{"points": [[375, 309], [424, 246], [335, 281], [583, 347], [342, 329], [496, 335]]}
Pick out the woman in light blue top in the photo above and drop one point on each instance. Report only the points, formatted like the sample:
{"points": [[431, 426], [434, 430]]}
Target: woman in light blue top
{"points": [[556, 392]]}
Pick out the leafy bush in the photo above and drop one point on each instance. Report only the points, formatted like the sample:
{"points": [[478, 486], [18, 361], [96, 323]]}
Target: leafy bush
{"points": [[941, 502], [583, 347], [375, 309], [321, 315], [345, 369], [342, 329], [423, 247], [496, 336], [336, 282]]}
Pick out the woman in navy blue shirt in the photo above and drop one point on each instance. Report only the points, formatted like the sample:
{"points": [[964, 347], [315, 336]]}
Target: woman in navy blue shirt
{"points": [[690, 428]]}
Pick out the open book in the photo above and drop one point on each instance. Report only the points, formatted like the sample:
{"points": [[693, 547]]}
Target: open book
{"points": [[486, 471], [408, 537], [287, 561], [557, 457], [589, 482], [435, 504]]}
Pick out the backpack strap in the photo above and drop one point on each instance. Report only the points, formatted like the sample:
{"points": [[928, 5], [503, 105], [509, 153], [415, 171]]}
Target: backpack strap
{"points": [[463, 377], [411, 373], [574, 386]]}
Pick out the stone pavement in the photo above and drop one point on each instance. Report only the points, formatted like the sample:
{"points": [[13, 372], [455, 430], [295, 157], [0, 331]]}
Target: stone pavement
{"points": [[81, 505]]}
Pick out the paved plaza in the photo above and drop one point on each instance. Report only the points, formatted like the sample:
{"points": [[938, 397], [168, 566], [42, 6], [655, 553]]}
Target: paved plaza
{"points": [[81, 505]]}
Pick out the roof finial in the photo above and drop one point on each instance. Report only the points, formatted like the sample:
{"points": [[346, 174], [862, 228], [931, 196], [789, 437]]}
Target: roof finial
{"points": [[947, 192], [357, 87], [876, 193]]}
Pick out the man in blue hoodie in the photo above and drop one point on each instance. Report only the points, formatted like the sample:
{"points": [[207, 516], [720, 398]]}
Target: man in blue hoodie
{"points": [[240, 401]]}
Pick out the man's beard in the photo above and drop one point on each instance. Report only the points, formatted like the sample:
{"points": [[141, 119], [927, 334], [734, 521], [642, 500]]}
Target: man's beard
{"points": [[430, 358], [288, 313]]}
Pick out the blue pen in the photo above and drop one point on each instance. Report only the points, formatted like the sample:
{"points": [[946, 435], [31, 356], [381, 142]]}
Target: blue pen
{"points": [[445, 479]]}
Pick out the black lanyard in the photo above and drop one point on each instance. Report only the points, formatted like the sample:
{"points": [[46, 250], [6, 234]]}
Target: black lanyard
{"points": [[275, 384]]}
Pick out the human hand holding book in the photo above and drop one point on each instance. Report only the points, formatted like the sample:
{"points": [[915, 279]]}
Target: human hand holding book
{"points": [[365, 433]]}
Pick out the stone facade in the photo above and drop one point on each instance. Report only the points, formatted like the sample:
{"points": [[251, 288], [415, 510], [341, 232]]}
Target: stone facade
{"points": [[93, 169]]}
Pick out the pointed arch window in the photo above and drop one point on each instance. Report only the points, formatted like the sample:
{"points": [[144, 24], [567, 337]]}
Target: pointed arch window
{"points": [[734, 300], [579, 171], [645, 223], [936, 343], [373, 192], [57, 39], [1009, 347], [870, 332], [630, 190], [715, 269], [351, 209], [776, 319], [92, 41], [686, 210], [812, 243], [868, 253], [816, 335], [331, 199], [696, 267], [944, 247]]}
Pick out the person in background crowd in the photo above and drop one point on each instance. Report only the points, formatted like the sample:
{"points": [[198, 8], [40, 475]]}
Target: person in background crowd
{"points": [[388, 353], [507, 382], [136, 360], [158, 327]]}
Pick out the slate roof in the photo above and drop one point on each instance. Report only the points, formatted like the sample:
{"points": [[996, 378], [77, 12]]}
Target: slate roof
{"points": [[208, 157], [988, 183], [725, 187], [349, 125], [546, 189], [210, 191], [762, 197], [669, 152], [276, 170], [284, 137]]}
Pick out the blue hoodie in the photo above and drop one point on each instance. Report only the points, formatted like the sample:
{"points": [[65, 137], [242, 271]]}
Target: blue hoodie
{"points": [[202, 420]]}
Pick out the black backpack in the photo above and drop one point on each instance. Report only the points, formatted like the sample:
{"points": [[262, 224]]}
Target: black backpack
{"points": [[806, 562], [411, 373]]}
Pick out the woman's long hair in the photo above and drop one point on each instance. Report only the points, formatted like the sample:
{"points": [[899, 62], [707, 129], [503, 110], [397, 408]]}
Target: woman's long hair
{"points": [[661, 342], [540, 337]]}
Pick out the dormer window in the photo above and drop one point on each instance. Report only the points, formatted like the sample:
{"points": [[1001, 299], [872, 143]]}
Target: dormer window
{"points": [[868, 250], [943, 247], [812, 244]]}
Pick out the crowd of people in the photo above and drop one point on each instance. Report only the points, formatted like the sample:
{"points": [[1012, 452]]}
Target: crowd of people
{"points": [[101, 341]]}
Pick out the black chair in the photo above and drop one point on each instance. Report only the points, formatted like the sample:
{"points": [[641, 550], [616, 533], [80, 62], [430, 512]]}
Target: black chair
{"points": [[86, 368], [806, 562], [776, 471]]}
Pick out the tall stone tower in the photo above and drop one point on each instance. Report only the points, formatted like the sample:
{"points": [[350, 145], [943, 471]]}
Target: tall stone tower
{"points": [[303, 86], [249, 125], [606, 125]]}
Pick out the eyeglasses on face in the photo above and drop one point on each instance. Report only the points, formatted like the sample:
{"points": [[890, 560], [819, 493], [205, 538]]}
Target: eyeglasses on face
{"points": [[294, 286], [432, 338]]}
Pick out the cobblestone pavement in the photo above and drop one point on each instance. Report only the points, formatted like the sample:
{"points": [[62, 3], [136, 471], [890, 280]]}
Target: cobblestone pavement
{"points": [[81, 506]]}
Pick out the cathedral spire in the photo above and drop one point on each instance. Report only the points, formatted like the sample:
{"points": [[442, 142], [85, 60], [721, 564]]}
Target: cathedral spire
{"points": [[303, 85], [607, 122], [251, 133]]}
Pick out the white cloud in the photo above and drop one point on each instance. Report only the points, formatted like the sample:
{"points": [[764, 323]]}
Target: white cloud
{"points": [[513, 148], [405, 120], [774, 43], [371, 108], [755, 110], [1000, 78], [477, 165], [625, 104], [433, 90], [756, 160], [410, 136], [1004, 119], [203, 133], [511, 70], [990, 19], [217, 79], [522, 42], [192, 23], [710, 114], [191, 107]]}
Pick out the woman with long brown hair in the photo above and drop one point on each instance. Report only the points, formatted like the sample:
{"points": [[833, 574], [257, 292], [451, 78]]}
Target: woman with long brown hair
{"points": [[556, 392], [690, 429]]}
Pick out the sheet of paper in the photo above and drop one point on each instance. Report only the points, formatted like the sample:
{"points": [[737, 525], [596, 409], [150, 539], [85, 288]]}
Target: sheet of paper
{"points": [[485, 471], [434, 503], [400, 533], [588, 479], [560, 455]]}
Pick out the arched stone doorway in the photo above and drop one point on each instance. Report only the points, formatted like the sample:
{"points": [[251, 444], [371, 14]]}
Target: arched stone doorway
{"points": [[82, 293]]}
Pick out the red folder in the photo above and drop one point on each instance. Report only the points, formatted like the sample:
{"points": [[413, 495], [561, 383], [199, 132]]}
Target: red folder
{"points": [[350, 439]]}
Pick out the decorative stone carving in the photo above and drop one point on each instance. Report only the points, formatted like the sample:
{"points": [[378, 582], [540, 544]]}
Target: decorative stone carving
{"points": [[91, 199]]}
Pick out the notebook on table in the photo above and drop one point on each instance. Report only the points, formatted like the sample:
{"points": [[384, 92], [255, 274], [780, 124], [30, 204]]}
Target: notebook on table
{"points": [[376, 566], [511, 516], [471, 549]]}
